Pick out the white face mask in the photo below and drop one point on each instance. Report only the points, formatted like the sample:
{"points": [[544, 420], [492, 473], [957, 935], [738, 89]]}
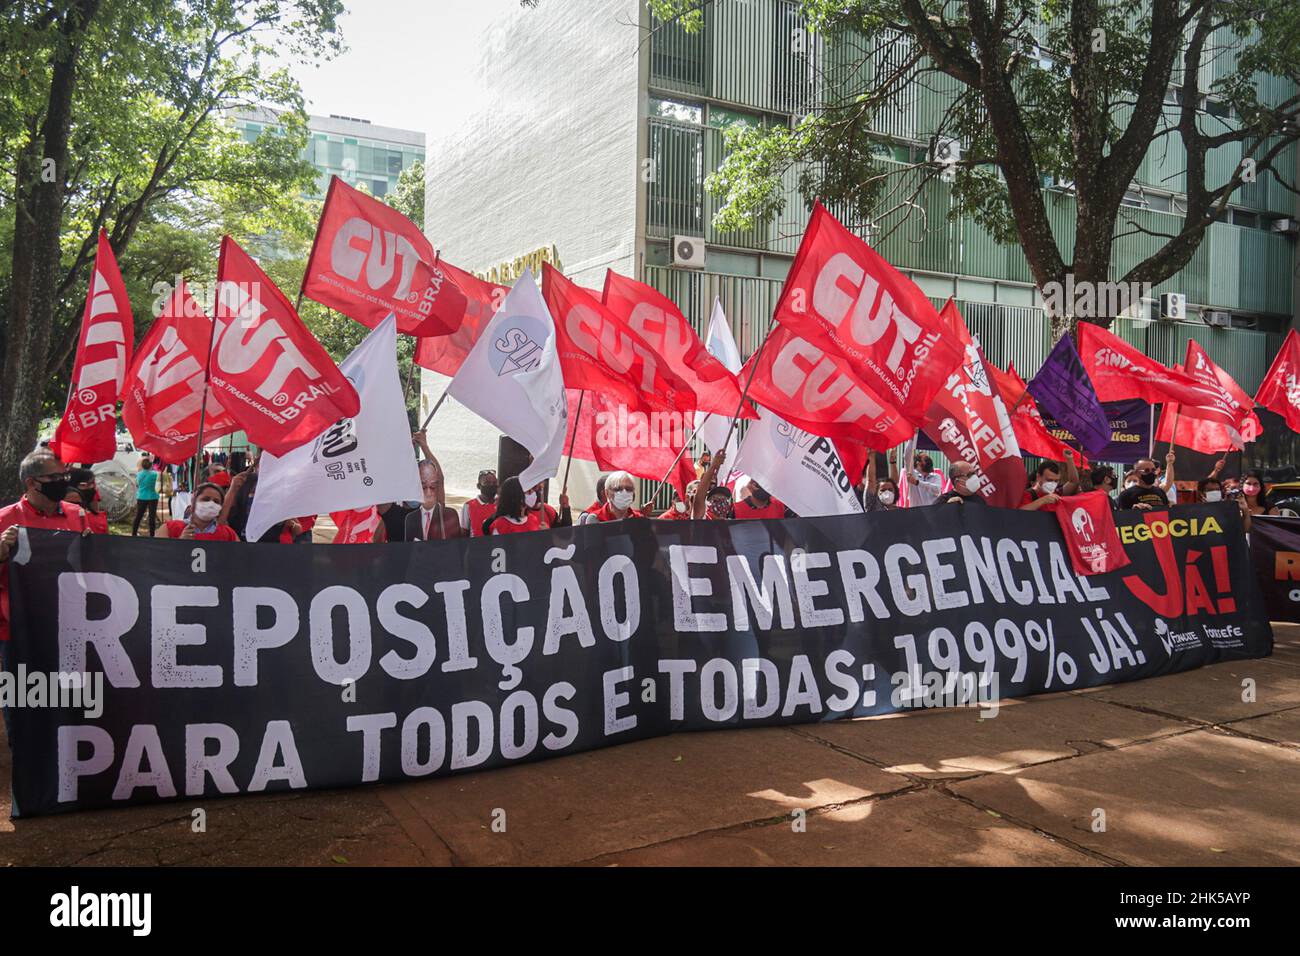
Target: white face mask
{"points": [[1049, 487], [623, 500], [973, 484], [679, 507], [530, 499], [207, 511], [1130, 484], [886, 497], [1214, 496]]}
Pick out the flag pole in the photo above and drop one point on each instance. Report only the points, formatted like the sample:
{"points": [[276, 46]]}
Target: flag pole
{"points": [[564, 487], [685, 445], [1151, 434]]}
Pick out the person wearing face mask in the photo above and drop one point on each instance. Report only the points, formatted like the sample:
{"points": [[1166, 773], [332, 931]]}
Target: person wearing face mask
{"points": [[878, 494], [83, 491], [45, 483], [511, 515], [1254, 494], [476, 511], [757, 503], [620, 496], [718, 505], [1144, 495], [547, 517], [966, 486], [702, 463], [925, 482], [1103, 479], [1209, 491], [681, 510], [203, 523]]}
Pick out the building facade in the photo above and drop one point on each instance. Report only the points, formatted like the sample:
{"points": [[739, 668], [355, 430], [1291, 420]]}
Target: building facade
{"points": [[624, 121]]}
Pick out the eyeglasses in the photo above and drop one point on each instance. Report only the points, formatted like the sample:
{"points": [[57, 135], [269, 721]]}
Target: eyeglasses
{"points": [[54, 476]]}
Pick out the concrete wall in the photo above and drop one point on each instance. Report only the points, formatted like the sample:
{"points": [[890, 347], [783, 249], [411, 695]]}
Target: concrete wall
{"points": [[532, 142]]}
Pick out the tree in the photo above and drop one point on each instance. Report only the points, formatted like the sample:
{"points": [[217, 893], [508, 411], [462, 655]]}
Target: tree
{"points": [[116, 118], [408, 198], [1072, 93]]}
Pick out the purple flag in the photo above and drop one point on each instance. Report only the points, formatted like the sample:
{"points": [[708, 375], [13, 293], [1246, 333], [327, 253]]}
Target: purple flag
{"points": [[1064, 391]]}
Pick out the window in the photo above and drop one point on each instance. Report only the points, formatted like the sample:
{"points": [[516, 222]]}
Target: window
{"points": [[720, 118], [380, 188], [395, 163], [676, 110]]}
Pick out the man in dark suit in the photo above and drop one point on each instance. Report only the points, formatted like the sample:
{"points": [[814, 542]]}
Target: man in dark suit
{"points": [[432, 521]]}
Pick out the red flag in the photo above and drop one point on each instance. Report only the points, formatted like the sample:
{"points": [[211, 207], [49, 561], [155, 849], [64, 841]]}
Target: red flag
{"points": [[618, 438], [355, 527], [88, 431], [658, 321], [1280, 390], [446, 353], [843, 295], [267, 368], [369, 260], [600, 352], [969, 422], [1031, 430], [1088, 524], [815, 389], [1119, 371], [165, 384], [1190, 427]]}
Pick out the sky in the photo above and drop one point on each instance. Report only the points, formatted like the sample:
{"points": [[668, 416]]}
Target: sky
{"points": [[405, 63]]}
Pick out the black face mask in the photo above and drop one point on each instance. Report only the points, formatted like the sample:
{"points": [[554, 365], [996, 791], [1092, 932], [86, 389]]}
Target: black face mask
{"points": [[54, 490], [1147, 477]]}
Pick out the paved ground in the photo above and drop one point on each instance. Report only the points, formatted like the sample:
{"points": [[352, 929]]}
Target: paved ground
{"points": [[1185, 772]]}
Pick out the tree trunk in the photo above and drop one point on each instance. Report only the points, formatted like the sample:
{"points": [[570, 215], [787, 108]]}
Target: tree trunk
{"points": [[29, 342]]}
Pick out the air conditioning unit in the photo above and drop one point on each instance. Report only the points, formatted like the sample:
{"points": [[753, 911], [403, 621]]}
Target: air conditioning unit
{"points": [[946, 151], [1287, 227], [1212, 317], [1173, 306], [688, 252]]}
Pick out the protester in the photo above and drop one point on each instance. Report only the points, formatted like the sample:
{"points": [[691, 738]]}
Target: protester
{"points": [[757, 503], [702, 463], [1254, 494], [1048, 480], [1144, 495], [1209, 490], [45, 484], [600, 496], [547, 517], [204, 523], [926, 484], [511, 514], [433, 521], [475, 512], [83, 491], [965, 486], [238, 505], [882, 494], [718, 505], [1165, 477], [1103, 479], [218, 475], [620, 499], [146, 496], [681, 510]]}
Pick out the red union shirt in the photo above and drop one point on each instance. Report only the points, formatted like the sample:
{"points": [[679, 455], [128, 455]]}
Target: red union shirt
{"points": [[748, 508], [69, 517]]}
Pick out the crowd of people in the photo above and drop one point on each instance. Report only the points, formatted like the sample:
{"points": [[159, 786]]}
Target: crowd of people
{"points": [[58, 496]]}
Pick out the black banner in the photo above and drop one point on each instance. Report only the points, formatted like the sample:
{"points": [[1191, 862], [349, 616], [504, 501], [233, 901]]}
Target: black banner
{"points": [[1275, 550], [234, 668]]}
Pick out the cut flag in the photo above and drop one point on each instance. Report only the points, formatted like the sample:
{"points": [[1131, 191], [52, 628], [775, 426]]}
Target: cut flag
{"points": [[165, 387], [842, 295], [267, 369], [512, 379], [88, 431], [369, 261], [445, 353], [1280, 390], [800, 469], [1191, 427], [358, 461], [600, 352]]}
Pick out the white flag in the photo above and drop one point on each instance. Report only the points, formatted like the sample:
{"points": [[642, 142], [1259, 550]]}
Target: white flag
{"points": [[800, 469], [356, 462], [712, 429], [512, 378]]}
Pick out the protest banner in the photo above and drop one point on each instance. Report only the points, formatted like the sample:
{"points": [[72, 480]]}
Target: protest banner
{"points": [[1275, 553], [227, 669]]}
